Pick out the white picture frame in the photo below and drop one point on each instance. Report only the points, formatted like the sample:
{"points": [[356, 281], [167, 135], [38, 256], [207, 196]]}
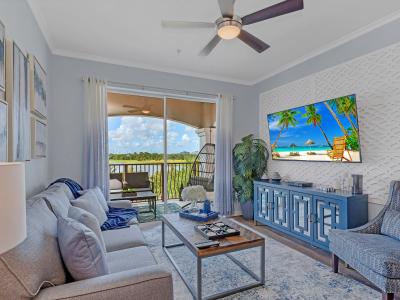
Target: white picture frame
{"points": [[38, 87], [3, 131], [2, 62], [38, 138], [17, 95]]}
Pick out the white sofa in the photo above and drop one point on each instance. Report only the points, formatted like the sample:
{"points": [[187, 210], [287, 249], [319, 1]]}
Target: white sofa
{"points": [[35, 270]]}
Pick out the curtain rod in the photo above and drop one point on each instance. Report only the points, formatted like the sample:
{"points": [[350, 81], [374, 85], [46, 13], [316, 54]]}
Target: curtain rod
{"points": [[121, 86]]}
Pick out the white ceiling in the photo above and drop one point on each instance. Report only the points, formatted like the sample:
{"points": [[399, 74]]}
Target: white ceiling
{"points": [[128, 32]]}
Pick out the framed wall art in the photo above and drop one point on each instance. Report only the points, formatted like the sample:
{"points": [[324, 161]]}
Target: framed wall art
{"points": [[38, 89], [3, 131], [17, 95], [39, 138]]}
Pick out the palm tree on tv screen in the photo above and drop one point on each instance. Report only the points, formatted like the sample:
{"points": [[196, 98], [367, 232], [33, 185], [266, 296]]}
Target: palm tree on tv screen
{"points": [[330, 104], [347, 107], [314, 118], [286, 119]]}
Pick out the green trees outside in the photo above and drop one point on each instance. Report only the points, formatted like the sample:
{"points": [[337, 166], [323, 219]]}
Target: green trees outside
{"points": [[151, 157]]}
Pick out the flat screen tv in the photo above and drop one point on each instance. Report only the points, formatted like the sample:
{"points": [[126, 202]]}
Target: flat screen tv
{"points": [[323, 131]]}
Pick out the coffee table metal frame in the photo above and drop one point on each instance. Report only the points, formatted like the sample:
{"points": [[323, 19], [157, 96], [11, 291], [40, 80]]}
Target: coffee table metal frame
{"points": [[197, 292], [140, 196]]}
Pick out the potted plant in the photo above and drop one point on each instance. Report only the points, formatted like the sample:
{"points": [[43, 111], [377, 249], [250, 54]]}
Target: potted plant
{"points": [[249, 163]]}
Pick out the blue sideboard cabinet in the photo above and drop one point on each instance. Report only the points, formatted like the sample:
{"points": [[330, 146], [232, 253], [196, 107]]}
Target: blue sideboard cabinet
{"points": [[307, 213]]}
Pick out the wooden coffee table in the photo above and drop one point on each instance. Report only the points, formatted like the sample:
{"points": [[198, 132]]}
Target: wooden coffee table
{"points": [[148, 196], [184, 230]]}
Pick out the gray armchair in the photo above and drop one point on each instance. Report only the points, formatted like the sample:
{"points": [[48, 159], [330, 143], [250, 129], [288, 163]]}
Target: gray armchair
{"points": [[372, 254]]}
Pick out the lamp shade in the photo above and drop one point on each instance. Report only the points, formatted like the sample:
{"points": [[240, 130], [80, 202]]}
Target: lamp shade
{"points": [[12, 205]]}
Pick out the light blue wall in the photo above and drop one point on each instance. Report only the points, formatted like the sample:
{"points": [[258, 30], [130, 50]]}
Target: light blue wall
{"points": [[66, 116], [374, 40], [21, 27]]}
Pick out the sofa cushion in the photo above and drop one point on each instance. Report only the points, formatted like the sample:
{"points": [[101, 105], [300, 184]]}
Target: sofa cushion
{"points": [[100, 197], [36, 262], [89, 202], [81, 250], [391, 224], [128, 259], [89, 220], [60, 186], [123, 238], [378, 252]]}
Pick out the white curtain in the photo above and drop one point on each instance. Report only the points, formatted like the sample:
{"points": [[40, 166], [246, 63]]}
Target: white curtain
{"points": [[95, 168], [223, 158]]}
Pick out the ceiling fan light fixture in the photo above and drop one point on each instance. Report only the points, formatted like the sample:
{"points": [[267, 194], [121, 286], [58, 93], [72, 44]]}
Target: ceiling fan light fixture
{"points": [[229, 28], [145, 111]]}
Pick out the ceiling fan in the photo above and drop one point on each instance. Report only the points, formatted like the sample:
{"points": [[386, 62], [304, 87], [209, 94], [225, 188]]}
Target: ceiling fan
{"points": [[230, 26], [135, 109]]}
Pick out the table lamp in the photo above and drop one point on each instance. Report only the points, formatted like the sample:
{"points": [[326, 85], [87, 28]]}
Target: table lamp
{"points": [[12, 205]]}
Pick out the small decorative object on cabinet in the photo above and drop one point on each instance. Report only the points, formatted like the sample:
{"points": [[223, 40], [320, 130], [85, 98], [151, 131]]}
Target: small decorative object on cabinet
{"points": [[307, 213], [250, 158]]}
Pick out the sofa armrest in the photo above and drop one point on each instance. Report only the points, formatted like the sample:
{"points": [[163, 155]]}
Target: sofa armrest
{"points": [[373, 226], [120, 203], [152, 283]]}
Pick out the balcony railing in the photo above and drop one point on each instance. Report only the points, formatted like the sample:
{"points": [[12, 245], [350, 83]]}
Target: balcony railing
{"points": [[178, 174]]}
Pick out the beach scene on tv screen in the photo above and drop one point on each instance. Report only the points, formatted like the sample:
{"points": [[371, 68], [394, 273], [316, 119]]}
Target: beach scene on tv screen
{"points": [[323, 131]]}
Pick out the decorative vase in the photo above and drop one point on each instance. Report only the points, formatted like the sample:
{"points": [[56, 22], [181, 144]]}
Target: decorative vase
{"points": [[247, 209], [207, 206]]}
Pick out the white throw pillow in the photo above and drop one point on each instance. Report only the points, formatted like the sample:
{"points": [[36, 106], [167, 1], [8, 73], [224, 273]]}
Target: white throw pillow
{"points": [[100, 197], [89, 220], [80, 249], [89, 202]]}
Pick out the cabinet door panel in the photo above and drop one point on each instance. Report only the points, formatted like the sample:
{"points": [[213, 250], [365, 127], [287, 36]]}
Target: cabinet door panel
{"points": [[264, 203], [301, 210], [328, 216], [281, 207]]}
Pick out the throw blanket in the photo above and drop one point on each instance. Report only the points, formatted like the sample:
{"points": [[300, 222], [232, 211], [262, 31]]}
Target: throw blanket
{"points": [[118, 218], [73, 186]]}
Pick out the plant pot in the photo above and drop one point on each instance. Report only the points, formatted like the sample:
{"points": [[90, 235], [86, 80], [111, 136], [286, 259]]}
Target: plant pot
{"points": [[247, 210]]}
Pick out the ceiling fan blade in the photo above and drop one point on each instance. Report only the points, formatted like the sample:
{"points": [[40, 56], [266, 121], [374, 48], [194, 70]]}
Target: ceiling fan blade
{"points": [[226, 7], [129, 106], [273, 11], [185, 24], [253, 41], [210, 46]]}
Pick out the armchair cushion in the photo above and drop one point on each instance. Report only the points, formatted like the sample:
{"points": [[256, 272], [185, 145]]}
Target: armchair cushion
{"points": [[377, 252], [391, 224]]}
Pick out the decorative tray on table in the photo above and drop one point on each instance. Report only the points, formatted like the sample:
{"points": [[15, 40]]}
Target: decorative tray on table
{"points": [[218, 230], [200, 216]]}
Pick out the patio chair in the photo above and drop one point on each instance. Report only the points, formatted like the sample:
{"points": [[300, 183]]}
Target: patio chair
{"points": [[373, 249], [339, 146], [140, 181], [202, 172]]}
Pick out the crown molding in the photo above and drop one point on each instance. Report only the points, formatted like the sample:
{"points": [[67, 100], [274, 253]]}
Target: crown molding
{"points": [[71, 54], [343, 40], [90, 57]]}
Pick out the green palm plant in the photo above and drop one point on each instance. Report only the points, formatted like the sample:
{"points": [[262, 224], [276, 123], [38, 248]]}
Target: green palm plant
{"points": [[314, 118], [286, 118], [249, 163]]}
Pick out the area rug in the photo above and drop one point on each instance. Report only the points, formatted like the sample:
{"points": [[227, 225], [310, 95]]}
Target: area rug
{"points": [[146, 216], [289, 273]]}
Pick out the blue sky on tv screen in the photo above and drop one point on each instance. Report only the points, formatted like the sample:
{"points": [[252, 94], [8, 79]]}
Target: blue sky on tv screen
{"points": [[130, 134], [302, 132]]}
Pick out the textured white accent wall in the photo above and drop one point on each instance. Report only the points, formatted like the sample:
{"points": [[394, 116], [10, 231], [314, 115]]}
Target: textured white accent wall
{"points": [[375, 79]]}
